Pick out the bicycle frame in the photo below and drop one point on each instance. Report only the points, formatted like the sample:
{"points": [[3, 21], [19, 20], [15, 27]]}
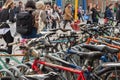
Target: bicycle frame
{"points": [[90, 39], [113, 38], [97, 41], [80, 73]]}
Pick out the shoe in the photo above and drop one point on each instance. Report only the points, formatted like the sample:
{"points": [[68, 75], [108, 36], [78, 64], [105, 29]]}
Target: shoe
{"points": [[7, 60]]}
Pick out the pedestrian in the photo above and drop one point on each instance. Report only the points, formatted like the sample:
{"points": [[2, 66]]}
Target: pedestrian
{"points": [[30, 8], [48, 13], [95, 14], [80, 17], [88, 14], [67, 14], [108, 13], [0, 8], [118, 15], [40, 17], [116, 7], [20, 7], [7, 14], [60, 12], [55, 16]]}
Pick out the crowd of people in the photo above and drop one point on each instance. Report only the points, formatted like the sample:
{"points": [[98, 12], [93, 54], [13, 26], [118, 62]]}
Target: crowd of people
{"points": [[111, 12], [46, 16], [43, 16]]}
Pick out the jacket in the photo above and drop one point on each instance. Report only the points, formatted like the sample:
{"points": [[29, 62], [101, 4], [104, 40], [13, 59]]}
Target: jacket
{"points": [[36, 15], [7, 14], [108, 13], [68, 14], [95, 13], [118, 15]]}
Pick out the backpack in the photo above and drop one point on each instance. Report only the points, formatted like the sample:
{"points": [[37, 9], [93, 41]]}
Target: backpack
{"points": [[24, 23], [7, 15]]}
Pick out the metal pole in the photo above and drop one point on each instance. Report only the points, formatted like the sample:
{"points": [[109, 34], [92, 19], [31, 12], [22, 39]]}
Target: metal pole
{"points": [[76, 9]]}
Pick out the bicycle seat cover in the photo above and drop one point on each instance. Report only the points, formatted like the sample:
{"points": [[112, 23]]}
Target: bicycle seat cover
{"points": [[94, 47], [110, 50], [91, 55]]}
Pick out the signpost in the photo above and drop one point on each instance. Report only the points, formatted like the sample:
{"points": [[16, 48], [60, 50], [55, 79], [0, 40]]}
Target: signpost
{"points": [[76, 9], [59, 3]]}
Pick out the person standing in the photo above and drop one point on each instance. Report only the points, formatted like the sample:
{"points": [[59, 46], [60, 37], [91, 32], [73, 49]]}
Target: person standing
{"points": [[108, 13], [55, 16], [67, 14], [40, 17], [80, 17], [48, 13], [95, 14], [116, 7], [19, 8], [88, 13], [118, 15]]}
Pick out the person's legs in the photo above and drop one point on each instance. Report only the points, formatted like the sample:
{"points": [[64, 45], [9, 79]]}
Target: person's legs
{"points": [[8, 39], [95, 20], [81, 17], [89, 22], [65, 22], [53, 24]]}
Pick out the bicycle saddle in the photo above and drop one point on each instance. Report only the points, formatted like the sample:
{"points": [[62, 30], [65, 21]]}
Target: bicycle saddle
{"points": [[110, 50], [102, 48], [91, 55], [64, 30], [94, 54], [93, 47]]}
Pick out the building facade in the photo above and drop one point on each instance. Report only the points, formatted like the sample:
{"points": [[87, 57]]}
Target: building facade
{"points": [[101, 3]]}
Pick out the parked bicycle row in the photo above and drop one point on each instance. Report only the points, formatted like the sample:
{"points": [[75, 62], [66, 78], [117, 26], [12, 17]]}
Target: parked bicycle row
{"points": [[85, 52], [62, 56]]}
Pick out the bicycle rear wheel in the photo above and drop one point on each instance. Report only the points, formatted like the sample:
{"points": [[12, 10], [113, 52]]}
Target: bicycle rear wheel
{"points": [[110, 73]]}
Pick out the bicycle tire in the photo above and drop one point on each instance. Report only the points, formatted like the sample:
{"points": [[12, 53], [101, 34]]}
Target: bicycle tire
{"points": [[15, 72], [6, 78], [24, 69], [28, 78], [7, 73], [105, 73]]}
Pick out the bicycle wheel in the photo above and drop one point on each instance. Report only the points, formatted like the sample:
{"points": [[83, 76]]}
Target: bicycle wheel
{"points": [[15, 72], [110, 73], [24, 69], [6, 78], [5, 74]]}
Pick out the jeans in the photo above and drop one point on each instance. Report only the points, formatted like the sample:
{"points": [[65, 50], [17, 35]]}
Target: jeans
{"points": [[95, 20], [8, 39], [65, 22]]}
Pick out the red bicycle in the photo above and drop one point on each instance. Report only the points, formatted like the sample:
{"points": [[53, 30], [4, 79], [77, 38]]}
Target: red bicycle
{"points": [[38, 61]]}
